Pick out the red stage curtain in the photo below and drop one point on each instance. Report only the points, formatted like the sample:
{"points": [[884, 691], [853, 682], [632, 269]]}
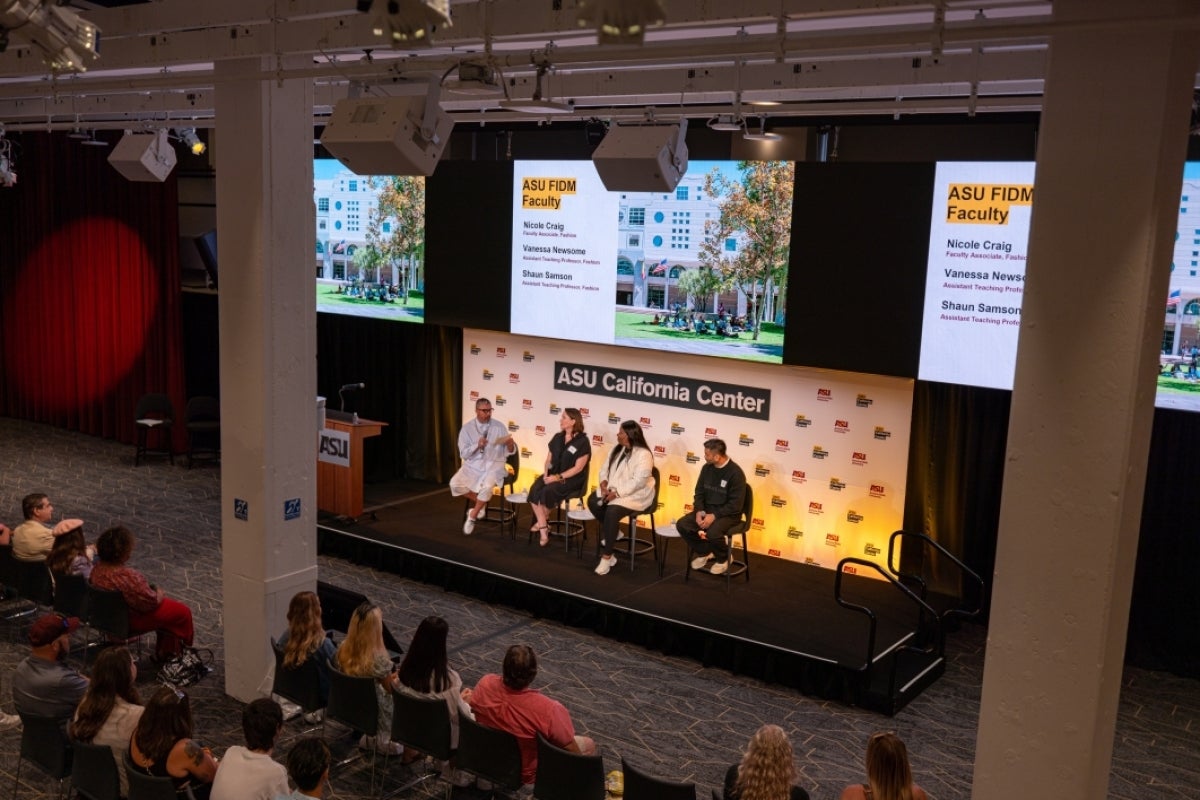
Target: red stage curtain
{"points": [[89, 290]]}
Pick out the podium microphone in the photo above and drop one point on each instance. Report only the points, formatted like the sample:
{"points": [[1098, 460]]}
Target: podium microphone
{"points": [[349, 387]]}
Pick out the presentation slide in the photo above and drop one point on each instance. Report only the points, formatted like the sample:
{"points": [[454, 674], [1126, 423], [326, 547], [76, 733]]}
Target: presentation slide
{"points": [[700, 269], [1179, 372], [978, 237], [370, 249]]}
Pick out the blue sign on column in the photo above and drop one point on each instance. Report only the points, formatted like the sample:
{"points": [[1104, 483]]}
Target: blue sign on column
{"points": [[291, 509], [241, 509]]}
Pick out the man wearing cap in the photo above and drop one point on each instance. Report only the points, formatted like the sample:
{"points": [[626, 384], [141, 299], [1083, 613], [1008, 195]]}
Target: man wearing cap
{"points": [[43, 685], [33, 539]]}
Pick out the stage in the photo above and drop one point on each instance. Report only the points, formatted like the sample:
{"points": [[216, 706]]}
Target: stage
{"points": [[783, 625]]}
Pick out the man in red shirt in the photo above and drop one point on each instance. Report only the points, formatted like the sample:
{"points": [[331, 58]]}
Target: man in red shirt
{"points": [[507, 703]]}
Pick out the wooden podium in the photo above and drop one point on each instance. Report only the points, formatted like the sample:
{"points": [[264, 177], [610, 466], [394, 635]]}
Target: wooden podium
{"points": [[340, 488]]}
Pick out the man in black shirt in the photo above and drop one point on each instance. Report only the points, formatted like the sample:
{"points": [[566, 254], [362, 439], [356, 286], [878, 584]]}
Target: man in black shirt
{"points": [[717, 507]]}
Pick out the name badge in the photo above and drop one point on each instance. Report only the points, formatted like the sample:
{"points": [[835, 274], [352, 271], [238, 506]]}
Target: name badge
{"points": [[571, 449], [723, 482]]}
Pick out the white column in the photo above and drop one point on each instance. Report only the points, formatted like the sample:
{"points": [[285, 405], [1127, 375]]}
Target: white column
{"points": [[1109, 167], [266, 229]]}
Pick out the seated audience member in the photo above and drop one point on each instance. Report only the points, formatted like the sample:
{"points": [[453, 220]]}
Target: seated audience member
{"points": [[308, 766], [889, 776], [149, 608], [5, 535], [33, 538], [424, 672], [305, 639], [626, 483], [362, 654], [43, 685], [249, 773], [111, 708], [71, 555], [766, 771], [507, 703], [162, 745]]}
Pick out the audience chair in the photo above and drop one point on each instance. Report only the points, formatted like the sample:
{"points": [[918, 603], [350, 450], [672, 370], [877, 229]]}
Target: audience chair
{"points": [[150, 787], [352, 703], [94, 772], [108, 615], [421, 724], [301, 685], [642, 786], [736, 567], [202, 420], [154, 411], [70, 596], [562, 775], [716, 794], [8, 577], [488, 753], [44, 742], [34, 583]]}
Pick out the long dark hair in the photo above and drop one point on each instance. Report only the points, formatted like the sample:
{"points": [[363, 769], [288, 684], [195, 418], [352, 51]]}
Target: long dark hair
{"points": [[112, 677], [636, 439], [166, 720], [66, 547], [424, 666]]}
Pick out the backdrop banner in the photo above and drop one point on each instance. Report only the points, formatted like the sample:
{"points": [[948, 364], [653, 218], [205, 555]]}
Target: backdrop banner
{"points": [[825, 452]]}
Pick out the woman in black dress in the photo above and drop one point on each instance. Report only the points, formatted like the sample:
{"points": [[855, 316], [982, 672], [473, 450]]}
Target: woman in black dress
{"points": [[565, 473]]}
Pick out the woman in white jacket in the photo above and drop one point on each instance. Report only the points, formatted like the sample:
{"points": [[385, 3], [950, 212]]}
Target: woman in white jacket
{"points": [[626, 483]]}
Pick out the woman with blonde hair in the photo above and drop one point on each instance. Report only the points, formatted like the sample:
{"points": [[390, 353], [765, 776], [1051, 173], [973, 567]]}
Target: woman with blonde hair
{"points": [[363, 654], [766, 771], [305, 639], [889, 776]]}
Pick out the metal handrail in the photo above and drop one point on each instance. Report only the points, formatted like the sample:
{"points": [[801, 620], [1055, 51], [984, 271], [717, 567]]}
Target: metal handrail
{"points": [[844, 603], [966, 571]]}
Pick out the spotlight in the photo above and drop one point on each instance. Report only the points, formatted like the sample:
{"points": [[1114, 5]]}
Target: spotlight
{"points": [[620, 21], [727, 122], [536, 104], [68, 42], [191, 140]]}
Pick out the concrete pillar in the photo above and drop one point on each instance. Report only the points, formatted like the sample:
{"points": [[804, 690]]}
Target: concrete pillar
{"points": [[266, 232], [1109, 167]]}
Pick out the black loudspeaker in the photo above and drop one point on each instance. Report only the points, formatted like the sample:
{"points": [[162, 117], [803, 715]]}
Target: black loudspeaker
{"points": [[382, 135]]}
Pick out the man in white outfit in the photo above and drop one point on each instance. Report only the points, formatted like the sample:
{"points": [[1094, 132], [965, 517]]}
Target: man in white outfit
{"points": [[484, 445]]}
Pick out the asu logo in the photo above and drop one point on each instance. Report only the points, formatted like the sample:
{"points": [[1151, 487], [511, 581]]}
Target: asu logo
{"points": [[853, 516], [527, 356], [500, 400], [877, 490], [539, 430], [858, 458], [514, 377], [691, 457], [555, 409], [526, 404], [474, 395], [862, 401], [832, 539], [526, 453], [802, 421], [488, 375], [814, 507], [660, 451], [841, 426], [824, 395], [870, 550], [774, 552], [475, 350], [597, 440], [689, 508], [513, 427], [757, 524], [583, 412], [882, 432], [777, 501], [674, 480], [710, 433], [677, 429], [644, 422], [850, 569], [762, 470], [744, 440], [501, 352], [794, 533], [798, 476], [781, 445], [613, 419], [819, 452], [811, 561], [836, 485]]}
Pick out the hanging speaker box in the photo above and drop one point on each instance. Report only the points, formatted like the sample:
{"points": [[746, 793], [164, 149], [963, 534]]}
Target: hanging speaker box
{"points": [[382, 136]]}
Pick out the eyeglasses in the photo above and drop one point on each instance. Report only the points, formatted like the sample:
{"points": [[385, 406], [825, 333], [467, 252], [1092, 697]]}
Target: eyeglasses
{"points": [[485, 410]]}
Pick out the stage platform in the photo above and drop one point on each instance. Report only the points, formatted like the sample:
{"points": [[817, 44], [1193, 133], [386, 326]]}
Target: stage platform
{"points": [[783, 625]]}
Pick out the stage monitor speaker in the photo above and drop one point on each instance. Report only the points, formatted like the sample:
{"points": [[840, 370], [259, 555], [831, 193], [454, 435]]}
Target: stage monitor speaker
{"points": [[642, 158], [147, 157], [383, 135]]}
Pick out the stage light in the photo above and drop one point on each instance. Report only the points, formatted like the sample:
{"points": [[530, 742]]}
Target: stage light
{"points": [[407, 21], [68, 42], [727, 122], [620, 21], [191, 140], [8, 171]]}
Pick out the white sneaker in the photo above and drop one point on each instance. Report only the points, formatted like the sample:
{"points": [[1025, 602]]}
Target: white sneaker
{"points": [[700, 562], [719, 567], [9, 722], [469, 525], [314, 717], [606, 563]]}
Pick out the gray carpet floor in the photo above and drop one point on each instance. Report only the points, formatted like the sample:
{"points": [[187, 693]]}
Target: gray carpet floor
{"points": [[670, 716]]}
